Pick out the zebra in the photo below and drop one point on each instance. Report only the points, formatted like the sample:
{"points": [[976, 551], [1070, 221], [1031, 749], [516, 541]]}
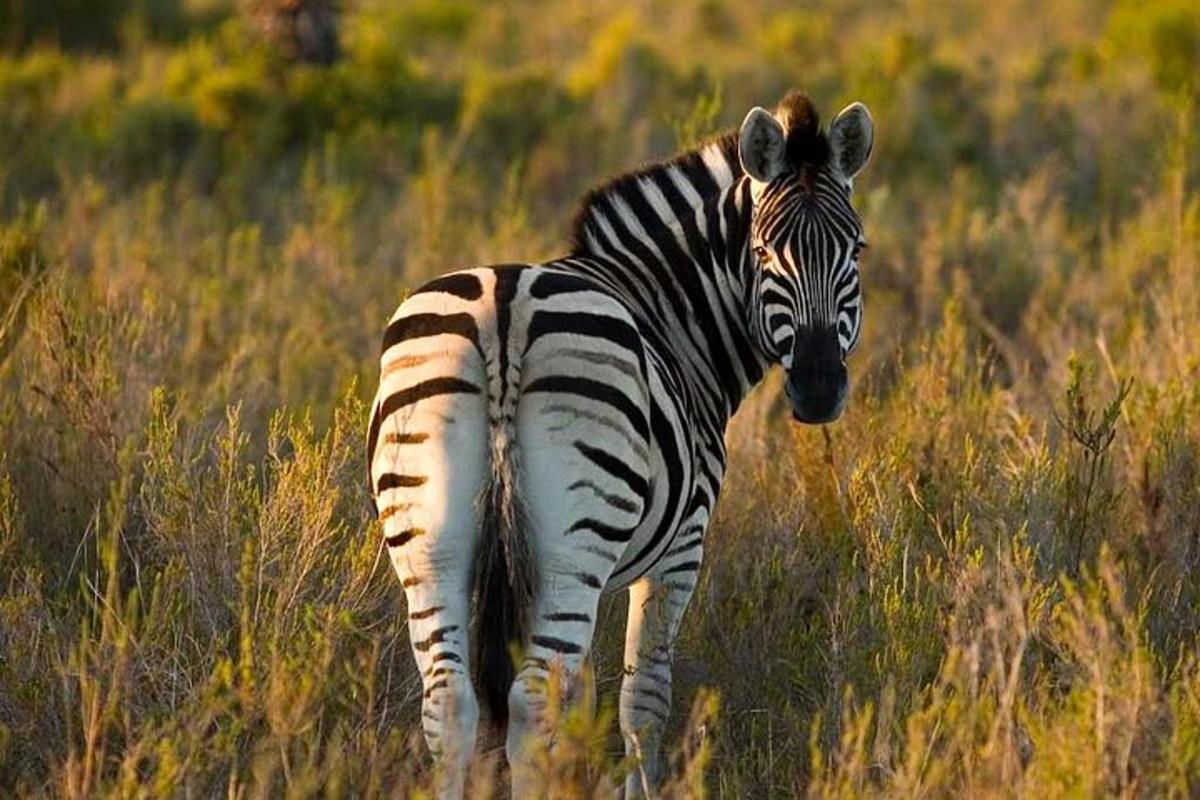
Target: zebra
{"points": [[544, 433]]}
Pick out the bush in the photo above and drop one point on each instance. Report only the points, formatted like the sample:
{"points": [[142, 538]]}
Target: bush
{"points": [[981, 582], [152, 138]]}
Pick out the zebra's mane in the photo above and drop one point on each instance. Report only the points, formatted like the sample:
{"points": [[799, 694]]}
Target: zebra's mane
{"points": [[709, 168]]}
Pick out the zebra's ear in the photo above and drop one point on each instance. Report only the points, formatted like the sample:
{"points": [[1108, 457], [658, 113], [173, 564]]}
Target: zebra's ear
{"points": [[851, 138], [762, 145]]}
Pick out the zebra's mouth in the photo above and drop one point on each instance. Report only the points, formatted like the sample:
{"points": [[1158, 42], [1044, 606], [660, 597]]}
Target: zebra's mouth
{"points": [[818, 402]]}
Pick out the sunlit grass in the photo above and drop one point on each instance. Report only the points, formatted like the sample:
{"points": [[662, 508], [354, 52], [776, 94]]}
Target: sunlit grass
{"points": [[981, 582]]}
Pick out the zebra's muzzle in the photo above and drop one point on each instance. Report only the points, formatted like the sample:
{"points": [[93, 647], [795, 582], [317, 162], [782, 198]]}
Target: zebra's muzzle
{"points": [[818, 383]]}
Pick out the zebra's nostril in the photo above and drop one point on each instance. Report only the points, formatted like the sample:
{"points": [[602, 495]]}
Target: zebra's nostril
{"points": [[818, 391]]}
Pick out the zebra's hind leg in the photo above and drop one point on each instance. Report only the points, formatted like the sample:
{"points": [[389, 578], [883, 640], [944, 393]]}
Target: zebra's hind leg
{"points": [[656, 607], [560, 639], [429, 468], [435, 568], [582, 433], [585, 496], [437, 624], [574, 566]]}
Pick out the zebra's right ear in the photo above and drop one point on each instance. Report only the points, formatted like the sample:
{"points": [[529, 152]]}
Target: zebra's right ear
{"points": [[762, 145]]}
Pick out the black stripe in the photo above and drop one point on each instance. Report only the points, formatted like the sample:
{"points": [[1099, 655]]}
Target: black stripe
{"points": [[404, 537], [391, 480], [437, 637], [506, 290], [417, 326], [548, 284], [405, 438], [687, 566], [615, 467], [665, 182], [557, 645], [674, 551], [656, 694], [392, 510], [654, 712], [616, 501], [463, 285], [664, 435], [581, 323], [567, 616], [654, 676], [424, 390], [588, 579], [425, 613], [606, 532], [600, 551], [593, 390], [697, 173]]}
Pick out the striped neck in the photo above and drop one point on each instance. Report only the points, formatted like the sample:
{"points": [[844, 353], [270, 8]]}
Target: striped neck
{"points": [[673, 239], [700, 175]]}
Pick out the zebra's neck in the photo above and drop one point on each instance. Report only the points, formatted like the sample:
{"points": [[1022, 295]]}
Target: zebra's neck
{"points": [[673, 238]]}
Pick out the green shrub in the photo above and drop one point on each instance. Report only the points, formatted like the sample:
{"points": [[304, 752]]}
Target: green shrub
{"points": [[152, 138], [510, 112], [1166, 34]]}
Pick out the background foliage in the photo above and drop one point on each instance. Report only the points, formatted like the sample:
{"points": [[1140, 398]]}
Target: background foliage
{"points": [[981, 582]]}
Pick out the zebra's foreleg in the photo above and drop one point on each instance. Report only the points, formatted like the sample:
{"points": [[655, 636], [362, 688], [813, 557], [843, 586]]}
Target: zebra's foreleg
{"points": [[656, 607]]}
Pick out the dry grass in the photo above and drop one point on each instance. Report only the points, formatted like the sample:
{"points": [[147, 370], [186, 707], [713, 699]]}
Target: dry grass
{"points": [[981, 582]]}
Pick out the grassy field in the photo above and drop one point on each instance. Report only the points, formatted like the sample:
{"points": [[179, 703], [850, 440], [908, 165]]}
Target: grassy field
{"points": [[981, 582]]}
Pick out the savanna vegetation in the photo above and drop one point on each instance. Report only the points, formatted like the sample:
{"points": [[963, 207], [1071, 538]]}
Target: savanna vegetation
{"points": [[981, 582]]}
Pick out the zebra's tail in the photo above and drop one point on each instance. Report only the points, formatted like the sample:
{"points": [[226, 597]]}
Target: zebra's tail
{"points": [[505, 577]]}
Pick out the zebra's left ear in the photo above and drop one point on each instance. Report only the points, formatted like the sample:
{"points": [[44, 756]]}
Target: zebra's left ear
{"points": [[851, 137]]}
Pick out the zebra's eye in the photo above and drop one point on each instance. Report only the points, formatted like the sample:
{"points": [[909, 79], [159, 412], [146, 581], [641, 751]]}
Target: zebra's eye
{"points": [[762, 254]]}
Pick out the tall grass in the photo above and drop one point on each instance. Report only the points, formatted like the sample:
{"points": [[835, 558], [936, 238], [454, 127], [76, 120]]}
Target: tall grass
{"points": [[981, 582]]}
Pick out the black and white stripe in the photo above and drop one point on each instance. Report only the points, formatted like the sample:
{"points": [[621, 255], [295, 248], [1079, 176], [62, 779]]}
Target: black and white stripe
{"points": [[585, 400]]}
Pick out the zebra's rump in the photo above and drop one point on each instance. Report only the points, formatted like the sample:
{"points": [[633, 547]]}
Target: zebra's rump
{"points": [[541, 350]]}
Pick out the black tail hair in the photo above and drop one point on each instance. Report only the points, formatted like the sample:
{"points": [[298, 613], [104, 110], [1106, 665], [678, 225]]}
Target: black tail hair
{"points": [[505, 577]]}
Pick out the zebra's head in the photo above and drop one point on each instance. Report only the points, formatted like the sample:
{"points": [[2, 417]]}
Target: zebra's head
{"points": [[805, 237]]}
